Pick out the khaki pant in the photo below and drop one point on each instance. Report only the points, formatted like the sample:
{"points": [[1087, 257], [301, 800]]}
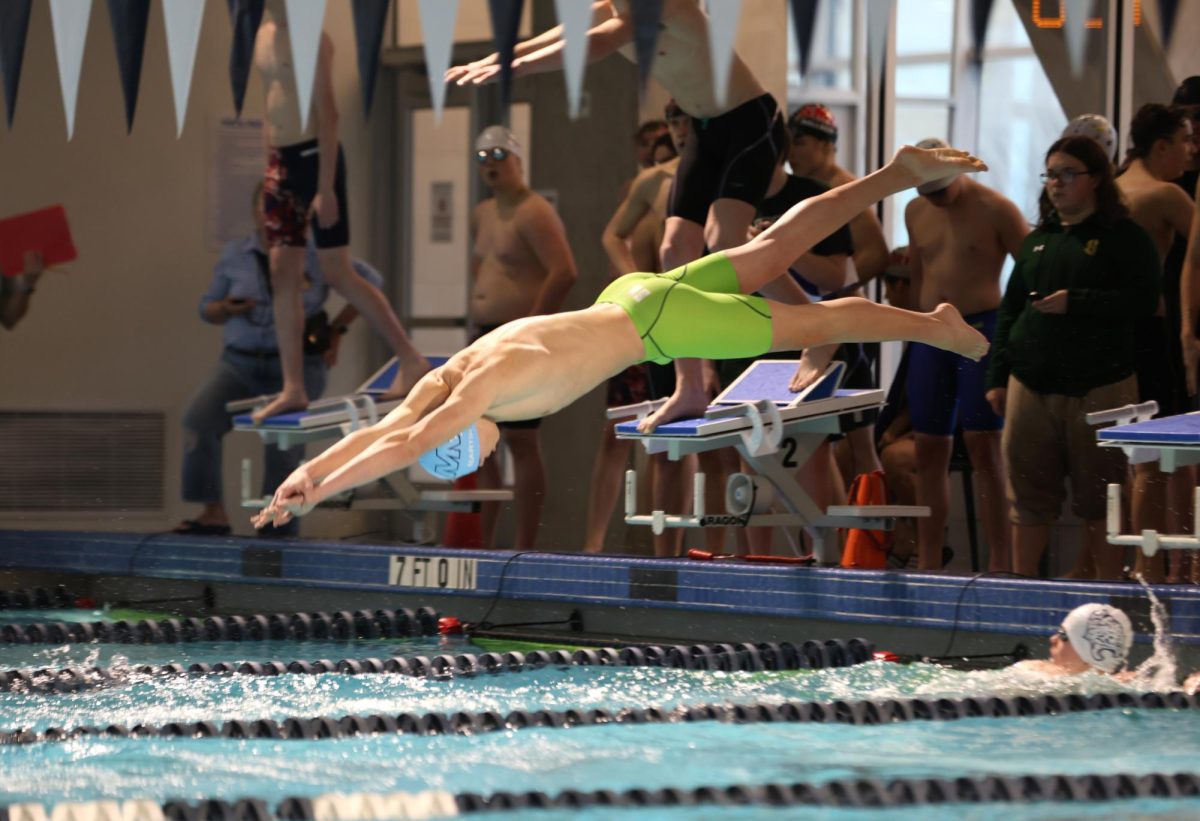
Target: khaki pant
{"points": [[1047, 441]]}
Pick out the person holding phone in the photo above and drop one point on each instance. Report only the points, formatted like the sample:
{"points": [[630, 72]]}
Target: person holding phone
{"points": [[1064, 347], [239, 299], [16, 292]]}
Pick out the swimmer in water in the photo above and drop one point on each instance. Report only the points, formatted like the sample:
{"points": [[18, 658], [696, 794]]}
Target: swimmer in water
{"points": [[1092, 638]]}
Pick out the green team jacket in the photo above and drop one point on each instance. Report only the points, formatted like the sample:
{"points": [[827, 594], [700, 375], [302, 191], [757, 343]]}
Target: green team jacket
{"points": [[1113, 277]]}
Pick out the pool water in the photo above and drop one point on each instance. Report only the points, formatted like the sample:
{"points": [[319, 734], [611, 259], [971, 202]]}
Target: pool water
{"points": [[617, 757]]}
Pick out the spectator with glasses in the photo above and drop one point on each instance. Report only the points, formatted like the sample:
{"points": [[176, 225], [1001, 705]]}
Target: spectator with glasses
{"points": [[1064, 347], [521, 265], [239, 299]]}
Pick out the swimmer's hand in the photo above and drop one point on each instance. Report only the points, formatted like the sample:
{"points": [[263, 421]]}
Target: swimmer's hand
{"points": [[922, 165], [478, 74], [295, 497], [456, 73], [1056, 303], [325, 206], [813, 363]]}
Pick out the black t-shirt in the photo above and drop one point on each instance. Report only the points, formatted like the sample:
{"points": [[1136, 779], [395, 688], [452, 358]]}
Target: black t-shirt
{"points": [[798, 189]]}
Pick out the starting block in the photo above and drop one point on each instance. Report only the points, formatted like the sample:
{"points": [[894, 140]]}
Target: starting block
{"points": [[1173, 442], [776, 431]]}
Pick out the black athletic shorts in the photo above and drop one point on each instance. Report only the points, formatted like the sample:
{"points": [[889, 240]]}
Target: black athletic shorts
{"points": [[731, 156], [288, 191]]}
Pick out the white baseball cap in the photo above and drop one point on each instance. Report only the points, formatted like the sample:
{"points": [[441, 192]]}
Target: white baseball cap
{"points": [[1101, 635]]}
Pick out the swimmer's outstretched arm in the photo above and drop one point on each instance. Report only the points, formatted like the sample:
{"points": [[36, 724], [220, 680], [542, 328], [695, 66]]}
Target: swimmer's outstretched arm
{"points": [[604, 38], [385, 448], [765, 257]]}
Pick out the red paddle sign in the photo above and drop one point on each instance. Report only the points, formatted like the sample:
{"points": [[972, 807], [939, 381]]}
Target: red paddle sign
{"points": [[45, 230]]}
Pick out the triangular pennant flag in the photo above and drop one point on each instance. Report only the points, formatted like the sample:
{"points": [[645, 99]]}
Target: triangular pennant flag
{"points": [[1167, 9], [69, 19], [804, 23], [370, 16], [306, 18], [879, 19], [129, 19], [575, 18], [506, 22], [981, 15], [246, 16], [437, 32], [1075, 32], [646, 17], [14, 25], [182, 19], [723, 16]]}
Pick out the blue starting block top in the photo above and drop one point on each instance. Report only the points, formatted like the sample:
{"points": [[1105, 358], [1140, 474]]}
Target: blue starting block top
{"points": [[691, 427], [375, 387], [1183, 429], [769, 379]]}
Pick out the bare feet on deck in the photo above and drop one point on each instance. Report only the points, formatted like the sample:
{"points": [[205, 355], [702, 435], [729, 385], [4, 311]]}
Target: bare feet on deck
{"points": [[959, 337], [407, 376], [282, 403]]}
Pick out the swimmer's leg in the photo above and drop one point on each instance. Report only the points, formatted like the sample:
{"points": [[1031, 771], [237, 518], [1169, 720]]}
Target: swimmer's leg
{"points": [[855, 319], [338, 268], [287, 277]]}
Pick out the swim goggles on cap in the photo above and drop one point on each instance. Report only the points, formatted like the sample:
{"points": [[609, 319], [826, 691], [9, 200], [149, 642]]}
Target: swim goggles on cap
{"points": [[454, 458], [498, 154]]}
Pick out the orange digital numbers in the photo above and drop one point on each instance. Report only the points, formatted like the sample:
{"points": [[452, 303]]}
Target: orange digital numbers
{"points": [[1056, 21]]}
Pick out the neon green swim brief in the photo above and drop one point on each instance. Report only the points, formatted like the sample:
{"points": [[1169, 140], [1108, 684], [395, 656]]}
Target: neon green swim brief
{"points": [[696, 311]]}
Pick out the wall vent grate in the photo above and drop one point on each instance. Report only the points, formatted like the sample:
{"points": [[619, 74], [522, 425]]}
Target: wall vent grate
{"points": [[71, 461]]}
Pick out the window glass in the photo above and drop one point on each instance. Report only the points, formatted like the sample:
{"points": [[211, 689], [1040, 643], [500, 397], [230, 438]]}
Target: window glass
{"points": [[924, 27], [923, 79], [913, 123], [829, 63]]}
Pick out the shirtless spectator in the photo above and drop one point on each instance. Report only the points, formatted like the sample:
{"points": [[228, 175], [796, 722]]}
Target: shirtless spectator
{"points": [[813, 154], [306, 183], [959, 233], [631, 239], [1160, 151], [16, 292], [724, 171], [521, 266]]}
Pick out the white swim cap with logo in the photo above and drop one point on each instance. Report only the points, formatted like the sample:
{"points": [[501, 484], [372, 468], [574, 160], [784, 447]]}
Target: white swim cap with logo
{"points": [[1097, 128], [934, 186], [497, 136], [1101, 635]]}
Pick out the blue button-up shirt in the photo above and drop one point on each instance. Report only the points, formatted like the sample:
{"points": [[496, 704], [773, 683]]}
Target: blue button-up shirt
{"points": [[239, 275]]}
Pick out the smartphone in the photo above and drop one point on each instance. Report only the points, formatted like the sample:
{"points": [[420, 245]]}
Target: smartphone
{"points": [[1034, 295]]}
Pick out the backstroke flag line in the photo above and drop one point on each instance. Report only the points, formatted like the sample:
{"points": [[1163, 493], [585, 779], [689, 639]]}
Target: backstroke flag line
{"points": [[14, 26], [370, 16], [437, 33], [576, 19], [69, 19], [129, 19], [182, 20], [305, 20], [723, 16]]}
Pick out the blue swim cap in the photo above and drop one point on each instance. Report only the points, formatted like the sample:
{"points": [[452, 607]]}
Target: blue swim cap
{"points": [[456, 457]]}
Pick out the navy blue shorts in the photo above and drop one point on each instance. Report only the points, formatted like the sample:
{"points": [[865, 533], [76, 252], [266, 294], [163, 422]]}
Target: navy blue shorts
{"points": [[946, 390]]}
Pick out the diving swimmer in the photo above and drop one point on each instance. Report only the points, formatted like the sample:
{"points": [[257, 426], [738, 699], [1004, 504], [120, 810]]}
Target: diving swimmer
{"points": [[537, 365]]}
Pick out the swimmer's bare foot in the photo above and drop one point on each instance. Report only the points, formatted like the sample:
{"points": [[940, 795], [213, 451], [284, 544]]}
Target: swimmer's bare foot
{"points": [[959, 337], [923, 165], [683, 404], [285, 402], [407, 376], [812, 365]]}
